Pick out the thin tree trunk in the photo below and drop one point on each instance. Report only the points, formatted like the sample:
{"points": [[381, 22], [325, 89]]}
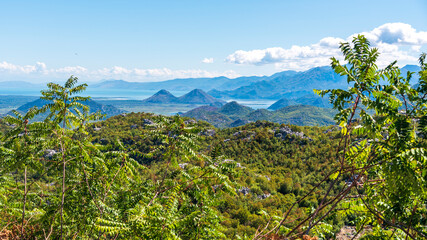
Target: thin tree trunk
{"points": [[25, 201], [63, 171], [63, 196]]}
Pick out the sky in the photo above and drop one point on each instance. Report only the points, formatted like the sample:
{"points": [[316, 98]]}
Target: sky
{"points": [[43, 41]]}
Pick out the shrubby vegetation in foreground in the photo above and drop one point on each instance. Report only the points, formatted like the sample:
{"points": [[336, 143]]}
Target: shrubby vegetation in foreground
{"points": [[141, 176]]}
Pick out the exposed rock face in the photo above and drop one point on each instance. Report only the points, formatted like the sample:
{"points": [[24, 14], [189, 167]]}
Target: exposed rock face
{"points": [[238, 165], [237, 133], [49, 153], [350, 233], [244, 135], [190, 121], [287, 133], [264, 196], [244, 190], [208, 132], [148, 122], [182, 165]]}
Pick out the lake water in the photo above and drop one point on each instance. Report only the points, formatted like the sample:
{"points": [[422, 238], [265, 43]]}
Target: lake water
{"points": [[125, 94]]}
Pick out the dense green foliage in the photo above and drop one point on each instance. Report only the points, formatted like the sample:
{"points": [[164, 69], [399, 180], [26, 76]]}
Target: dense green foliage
{"points": [[56, 183], [387, 161], [143, 176], [227, 115], [381, 152], [276, 170]]}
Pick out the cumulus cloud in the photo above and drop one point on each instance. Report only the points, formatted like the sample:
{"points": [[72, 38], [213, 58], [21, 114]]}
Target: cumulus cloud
{"points": [[39, 70], [71, 70], [395, 41], [39, 67], [207, 60], [396, 33]]}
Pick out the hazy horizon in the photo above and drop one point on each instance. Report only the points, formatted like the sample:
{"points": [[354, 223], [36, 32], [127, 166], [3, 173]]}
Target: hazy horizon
{"points": [[145, 41]]}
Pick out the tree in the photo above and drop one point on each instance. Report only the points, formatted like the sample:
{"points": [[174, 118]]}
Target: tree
{"points": [[78, 189], [381, 169], [19, 153], [179, 202], [40, 149], [64, 109]]}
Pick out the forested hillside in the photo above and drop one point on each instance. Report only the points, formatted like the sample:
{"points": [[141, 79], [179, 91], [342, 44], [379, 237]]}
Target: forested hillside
{"points": [[275, 164], [146, 176], [233, 114]]}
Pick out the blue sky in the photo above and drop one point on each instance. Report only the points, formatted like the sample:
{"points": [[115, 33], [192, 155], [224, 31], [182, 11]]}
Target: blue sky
{"points": [[157, 40]]}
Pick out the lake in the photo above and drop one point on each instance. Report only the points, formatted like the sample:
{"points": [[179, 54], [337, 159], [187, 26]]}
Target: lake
{"points": [[129, 94]]}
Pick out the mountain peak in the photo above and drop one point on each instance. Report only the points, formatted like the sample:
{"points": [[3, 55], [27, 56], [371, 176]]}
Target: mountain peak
{"points": [[233, 108], [284, 102], [197, 91], [162, 96], [198, 96], [163, 92]]}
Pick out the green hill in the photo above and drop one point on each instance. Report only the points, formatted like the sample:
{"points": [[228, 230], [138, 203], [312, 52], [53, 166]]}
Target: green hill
{"points": [[303, 115], [162, 96], [284, 102], [209, 114], [198, 96], [108, 110], [233, 114], [233, 109]]}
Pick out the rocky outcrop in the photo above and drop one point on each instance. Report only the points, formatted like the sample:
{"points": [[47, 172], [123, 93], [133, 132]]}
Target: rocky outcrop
{"points": [[287, 133], [208, 132]]}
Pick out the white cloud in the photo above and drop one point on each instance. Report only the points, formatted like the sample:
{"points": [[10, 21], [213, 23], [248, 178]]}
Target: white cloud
{"points": [[207, 60], [40, 71], [395, 41], [12, 68], [396, 33], [296, 57], [71, 70]]}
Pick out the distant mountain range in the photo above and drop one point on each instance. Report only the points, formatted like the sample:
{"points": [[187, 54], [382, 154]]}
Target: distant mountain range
{"points": [[297, 104], [196, 96], [108, 110], [187, 84], [20, 84], [287, 84], [233, 114]]}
